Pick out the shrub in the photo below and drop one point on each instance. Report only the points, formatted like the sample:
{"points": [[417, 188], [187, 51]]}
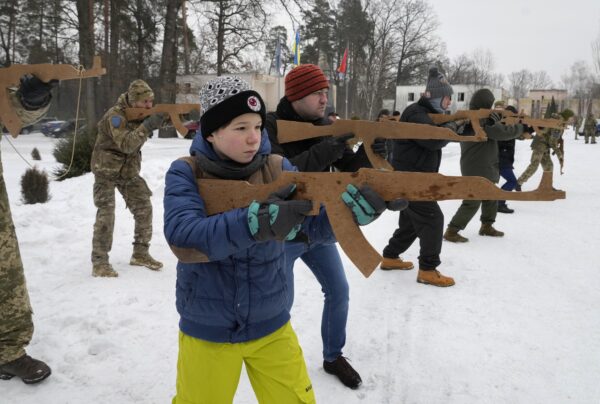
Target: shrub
{"points": [[34, 186], [35, 154], [84, 145]]}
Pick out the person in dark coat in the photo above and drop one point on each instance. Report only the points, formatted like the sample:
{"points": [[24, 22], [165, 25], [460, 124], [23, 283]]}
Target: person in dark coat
{"points": [[481, 159], [305, 100], [423, 220], [506, 157]]}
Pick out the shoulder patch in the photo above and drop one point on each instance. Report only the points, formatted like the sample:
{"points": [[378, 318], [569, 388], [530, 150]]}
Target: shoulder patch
{"points": [[116, 120]]}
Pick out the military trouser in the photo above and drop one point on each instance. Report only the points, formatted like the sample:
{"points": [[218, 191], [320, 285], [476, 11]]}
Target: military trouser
{"points": [[467, 210], [588, 136], [137, 195], [537, 157], [16, 325]]}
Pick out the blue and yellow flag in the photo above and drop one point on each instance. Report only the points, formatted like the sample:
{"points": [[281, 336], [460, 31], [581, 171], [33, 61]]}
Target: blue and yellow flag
{"points": [[296, 48]]}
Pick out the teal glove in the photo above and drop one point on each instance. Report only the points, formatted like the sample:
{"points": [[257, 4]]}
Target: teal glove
{"points": [[278, 218], [367, 205]]}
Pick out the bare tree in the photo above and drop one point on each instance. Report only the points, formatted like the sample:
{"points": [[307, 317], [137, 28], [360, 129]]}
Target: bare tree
{"points": [[168, 62], [580, 82], [540, 80], [237, 26], [519, 84], [85, 15]]}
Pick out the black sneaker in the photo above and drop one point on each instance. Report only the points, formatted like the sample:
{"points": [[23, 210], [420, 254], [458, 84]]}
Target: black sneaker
{"points": [[505, 209], [344, 371], [28, 369]]}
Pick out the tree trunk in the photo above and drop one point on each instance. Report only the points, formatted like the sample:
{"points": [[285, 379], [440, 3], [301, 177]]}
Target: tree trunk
{"points": [[85, 16], [168, 62], [115, 81]]}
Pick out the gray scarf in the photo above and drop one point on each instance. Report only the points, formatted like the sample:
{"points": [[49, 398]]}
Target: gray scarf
{"points": [[230, 170]]}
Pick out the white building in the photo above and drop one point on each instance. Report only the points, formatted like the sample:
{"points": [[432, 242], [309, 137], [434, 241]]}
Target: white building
{"points": [[406, 95]]}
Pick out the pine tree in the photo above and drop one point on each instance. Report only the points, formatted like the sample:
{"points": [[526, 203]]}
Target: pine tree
{"points": [[34, 186], [552, 109]]}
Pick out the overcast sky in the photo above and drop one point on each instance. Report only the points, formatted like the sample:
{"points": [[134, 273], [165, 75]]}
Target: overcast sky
{"points": [[528, 34]]}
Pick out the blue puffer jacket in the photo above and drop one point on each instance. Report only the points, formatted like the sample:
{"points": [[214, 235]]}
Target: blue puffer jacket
{"points": [[241, 294]]}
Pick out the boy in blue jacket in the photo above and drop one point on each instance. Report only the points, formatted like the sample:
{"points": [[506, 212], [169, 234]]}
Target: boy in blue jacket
{"points": [[231, 290]]}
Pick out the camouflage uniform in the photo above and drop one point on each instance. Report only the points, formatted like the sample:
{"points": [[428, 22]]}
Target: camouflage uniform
{"points": [[16, 326], [541, 145], [589, 128], [116, 162]]}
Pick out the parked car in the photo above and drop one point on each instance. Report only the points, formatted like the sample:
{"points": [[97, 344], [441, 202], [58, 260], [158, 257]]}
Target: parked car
{"points": [[66, 128], [192, 127], [49, 126], [37, 126]]}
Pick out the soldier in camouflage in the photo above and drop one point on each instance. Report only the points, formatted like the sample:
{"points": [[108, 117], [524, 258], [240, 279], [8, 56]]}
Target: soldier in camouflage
{"points": [[589, 129], [541, 145], [116, 163], [31, 102]]}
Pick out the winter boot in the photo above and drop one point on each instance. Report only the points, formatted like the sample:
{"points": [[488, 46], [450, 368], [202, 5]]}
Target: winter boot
{"points": [[344, 371], [141, 257], [518, 187], [28, 369], [434, 277], [503, 208], [395, 263], [488, 230], [453, 236], [104, 270]]}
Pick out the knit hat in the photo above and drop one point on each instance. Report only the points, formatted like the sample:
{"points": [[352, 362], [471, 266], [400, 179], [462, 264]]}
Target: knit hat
{"points": [[223, 99], [304, 80], [139, 90], [437, 85], [511, 109], [482, 99]]}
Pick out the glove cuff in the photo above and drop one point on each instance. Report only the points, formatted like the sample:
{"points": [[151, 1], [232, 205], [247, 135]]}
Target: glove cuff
{"points": [[34, 103]]}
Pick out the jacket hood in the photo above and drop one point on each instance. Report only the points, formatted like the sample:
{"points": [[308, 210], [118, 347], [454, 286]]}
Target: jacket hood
{"points": [[202, 146], [122, 101]]}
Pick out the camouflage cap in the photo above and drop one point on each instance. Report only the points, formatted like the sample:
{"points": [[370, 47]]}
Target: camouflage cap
{"points": [[139, 90]]}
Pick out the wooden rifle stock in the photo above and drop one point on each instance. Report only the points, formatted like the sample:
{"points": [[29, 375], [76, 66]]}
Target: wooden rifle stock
{"points": [[173, 110], [367, 132], [10, 77], [326, 188]]}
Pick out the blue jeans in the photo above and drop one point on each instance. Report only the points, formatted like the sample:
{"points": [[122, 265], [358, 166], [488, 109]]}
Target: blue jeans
{"points": [[325, 263], [511, 181]]}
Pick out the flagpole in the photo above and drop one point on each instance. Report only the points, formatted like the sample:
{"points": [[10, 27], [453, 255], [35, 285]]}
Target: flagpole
{"points": [[346, 80]]}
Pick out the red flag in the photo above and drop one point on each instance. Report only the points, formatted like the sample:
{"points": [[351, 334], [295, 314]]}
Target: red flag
{"points": [[344, 64]]}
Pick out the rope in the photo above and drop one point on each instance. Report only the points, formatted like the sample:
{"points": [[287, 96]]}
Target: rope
{"points": [[80, 71], [18, 153]]}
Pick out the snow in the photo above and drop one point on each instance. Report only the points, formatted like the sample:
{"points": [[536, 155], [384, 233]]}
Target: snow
{"points": [[520, 326]]}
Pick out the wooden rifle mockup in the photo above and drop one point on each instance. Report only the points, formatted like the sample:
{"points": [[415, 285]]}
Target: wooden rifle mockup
{"points": [[367, 132], [325, 188], [173, 110], [10, 77]]}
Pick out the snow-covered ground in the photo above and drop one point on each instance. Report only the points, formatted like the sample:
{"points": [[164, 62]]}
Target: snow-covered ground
{"points": [[522, 324]]}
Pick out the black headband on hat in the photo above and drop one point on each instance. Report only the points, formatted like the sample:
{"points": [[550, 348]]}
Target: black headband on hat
{"points": [[221, 114]]}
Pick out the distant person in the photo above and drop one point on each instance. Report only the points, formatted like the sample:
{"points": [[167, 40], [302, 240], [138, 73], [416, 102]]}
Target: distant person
{"points": [[396, 113], [481, 159], [589, 129], [383, 115], [116, 163]]}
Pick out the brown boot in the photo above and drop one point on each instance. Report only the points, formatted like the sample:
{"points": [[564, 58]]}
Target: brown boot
{"points": [[488, 230], [395, 263], [30, 370], [104, 270], [434, 277], [453, 236], [145, 260]]}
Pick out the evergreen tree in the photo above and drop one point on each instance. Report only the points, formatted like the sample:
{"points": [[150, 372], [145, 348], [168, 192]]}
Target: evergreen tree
{"points": [[552, 109], [318, 34]]}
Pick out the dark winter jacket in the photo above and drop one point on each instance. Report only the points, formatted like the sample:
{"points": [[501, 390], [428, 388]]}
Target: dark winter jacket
{"points": [[310, 154], [241, 293], [418, 155], [481, 158], [506, 153]]}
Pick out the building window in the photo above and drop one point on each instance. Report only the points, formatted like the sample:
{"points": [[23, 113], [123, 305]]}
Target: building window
{"points": [[187, 88], [411, 96], [460, 97]]}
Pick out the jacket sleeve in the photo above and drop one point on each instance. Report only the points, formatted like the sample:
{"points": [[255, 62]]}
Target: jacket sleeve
{"points": [[500, 131], [431, 145], [127, 140], [187, 225]]}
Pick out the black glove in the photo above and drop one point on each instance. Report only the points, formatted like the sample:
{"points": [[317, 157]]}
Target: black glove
{"points": [[153, 121], [278, 218], [379, 147], [493, 119], [34, 93], [334, 147], [528, 129], [452, 125], [367, 205]]}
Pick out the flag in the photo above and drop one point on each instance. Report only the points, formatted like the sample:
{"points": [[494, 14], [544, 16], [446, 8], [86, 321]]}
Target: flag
{"points": [[344, 65], [278, 57], [296, 48]]}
